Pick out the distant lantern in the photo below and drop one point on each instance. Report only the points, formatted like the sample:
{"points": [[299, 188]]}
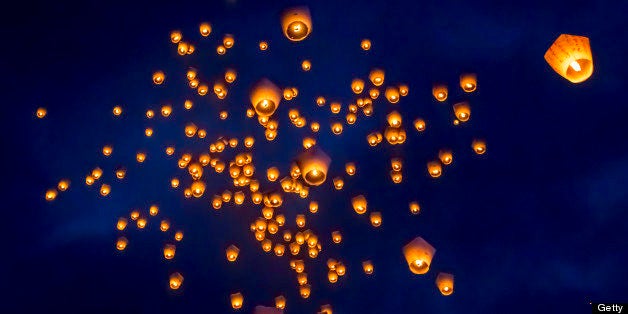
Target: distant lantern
{"points": [[296, 23], [301, 278], [468, 82], [121, 243], [272, 174], [150, 113], [434, 168], [153, 210], [190, 74], [394, 119], [175, 37], [249, 141], [335, 107], [176, 280], [313, 165], [63, 185], [280, 219], [41, 112], [237, 300], [169, 150], [359, 204], [305, 290], [339, 183], [159, 77], [190, 129], [202, 89], [365, 44], [148, 132], [121, 224], [287, 235], [194, 84], [89, 180], [439, 92], [326, 309], [320, 101], [105, 189], [374, 93], [230, 75], [232, 253], [376, 76], [97, 173], [295, 248], [201, 133], [313, 207], [164, 225], [279, 249], [238, 197], [376, 219], [396, 164], [166, 110], [228, 41], [341, 269], [403, 90], [187, 193], [187, 104], [265, 97], [256, 197], [198, 188], [169, 251], [570, 56], [267, 212], [315, 126], [182, 48], [372, 139], [479, 146], [223, 115], [445, 156], [280, 302], [221, 50], [357, 86], [191, 49], [308, 142], [418, 254], [367, 266], [117, 110], [396, 176], [263, 45], [414, 208], [134, 215], [51, 195], [299, 266], [392, 94], [445, 283], [350, 168], [300, 220], [462, 110], [306, 65], [217, 202], [419, 124], [141, 223], [332, 276], [205, 29], [178, 236]]}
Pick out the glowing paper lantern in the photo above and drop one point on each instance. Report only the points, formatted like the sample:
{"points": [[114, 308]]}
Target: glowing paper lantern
{"points": [[105, 189], [164, 225], [332, 276], [117, 110], [392, 94], [313, 164], [51, 195], [263, 45], [434, 168], [178, 236], [445, 156], [445, 283], [205, 29], [120, 173], [479, 146], [376, 76], [359, 204], [339, 183], [305, 291], [367, 266], [175, 36], [232, 253], [141, 223], [403, 90], [440, 92], [300, 220], [376, 219], [320, 101], [121, 224], [265, 97], [153, 210], [394, 119], [280, 302], [306, 65], [221, 50], [159, 77], [414, 208], [169, 251], [296, 23], [365, 44], [418, 254], [419, 124], [313, 207], [336, 128], [468, 82], [176, 280], [357, 86], [121, 243], [462, 110]]}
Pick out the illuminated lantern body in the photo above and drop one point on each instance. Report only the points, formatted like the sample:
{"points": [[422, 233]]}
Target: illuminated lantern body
{"points": [[336, 128], [332, 276], [367, 266], [396, 176], [314, 126], [117, 110], [178, 236], [187, 104], [164, 225], [175, 37], [414, 208], [374, 93], [445, 156], [445, 283], [434, 168], [176, 280], [365, 44], [296, 23], [274, 199], [359, 204], [394, 119], [182, 48], [267, 245], [148, 132], [279, 249], [105, 189], [159, 77], [335, 107], [300, 220], [419, 124], [418, 254], [357, 86], [169, 251], [190, 129], [306, 65], [41, 112], [468, 82], [313, 165], [570, 56], [230, 75], [462, 110], [320, 101], [305, 290], [392, 94], [376, 76], [198, 188], [280, 302], [63, 185], [122, 222], [350, 168], [141, 223], [272, 174], [376, 219], [205, 29], [338, 183], [263, 45], [479, 146], [265, 97], [120, 173], [237, 300], [313, 207], [121, 243], [232, 253], [440, 92], [403, 90]]}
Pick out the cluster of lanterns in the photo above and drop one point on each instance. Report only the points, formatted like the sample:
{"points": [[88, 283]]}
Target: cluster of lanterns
{"points": [[569, 56]]}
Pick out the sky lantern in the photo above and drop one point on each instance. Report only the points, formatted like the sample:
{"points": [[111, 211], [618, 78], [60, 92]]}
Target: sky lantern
{"points": [[232, 253], [468, 82], [134, 215], [392, 94], [280, 219], [190, 129], [153, 210], [249, 141], [372, 139], [313, 164], [265, 97], [306, 65], [296, 23], [226, 196], [169, 150], [403, 90], [166, 110], [105, 189], [305, 290], [287, 235], [182, 48], [287, 93], [313, 207], [117, 110], [256, 197], [221, 50], [178, 236], [376, 76], [141, 223], [299, 266], [336, 128], [97, 173], [357, 86], [339, 183], [216, 201], [396, 176], [121, 243], [198, 188], [414, 207], [439, 91], [237, 300], [267, 212], [280, 302], [63, 185], [169, 251], [351, 118], [187, 193], [434, 168], [376, 219], [295, 248], [418, 254], [479, 146], [266, 310], [187, 104], [190, 74], [445, 156], [273, 227], [267, 245], [340, 269], [228, 41], [315, 126], [230, 76], [176, 280], [205, 29], [41, 112], [254, 185], [191, 49], [350, 168], [308, 142], [279, 249], [238, 197], [273, 199], [194, 84], [120, 173], [320, 101], [89, 180], [300, 220], [159, 77], [51, 195], [148, 132], [164, 225], [462, 110], [150, 113], [365, 44], [332, 276], [396, 164], [175, 36], [419, 124], [335, 107], [299, 238], [121, 224], [367, 266], [359, 204], [263, 45], [570, 56], [445, 283], [374, 93], [301, 278]]}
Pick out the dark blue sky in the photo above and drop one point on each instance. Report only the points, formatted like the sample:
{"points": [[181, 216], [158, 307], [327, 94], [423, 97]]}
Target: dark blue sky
{"points": [[537, 224]]}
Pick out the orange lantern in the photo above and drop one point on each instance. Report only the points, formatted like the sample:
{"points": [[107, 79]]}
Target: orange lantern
{"points": [[198, 188], [176, 280], [320, 101], [237, 300], [265, 97], [117, 110], [228, 41], [190, 129], [175, 37], [232, 253], [141, 223], [221, 50], [296, 23], [468, 82], [394, 119], [403, 90], [462, 110], [263, 45], [434, 169], [445, 156], [120, 173], [121, 243], [169, 251], [313, 207], [419, 124], [205, 29], [367, 266], [376, 219], [359, 204], [121, 224], [336, 128], [280, 302], [357, 86], [479, 146], [396, 176], [445, 283], [418, 254], [182, 48], [439, 91], [159, 77], [570, 56], [332, 276], [153, 210], [178, 236], [279, 249], [105, 189], [339, 183], [305, 290], [365, 44], [306, 65], [230, 75], [164, 225], [313, 164], [376, 76], [392, 94], [414, 208]]}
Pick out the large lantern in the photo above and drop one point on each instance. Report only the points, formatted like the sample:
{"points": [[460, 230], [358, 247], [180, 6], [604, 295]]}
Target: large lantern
{"points": [[280, 302], [313, 164], [376, 76], [237, 299], [176, 280], [570, 56], [265, 97], [296, 23], [121, 243], [418, 254], [445, 283]]}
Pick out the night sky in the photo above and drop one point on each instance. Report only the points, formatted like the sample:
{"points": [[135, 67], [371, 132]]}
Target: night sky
{"points": [[536, 225]]}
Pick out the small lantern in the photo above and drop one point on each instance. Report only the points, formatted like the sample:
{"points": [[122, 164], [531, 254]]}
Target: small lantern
{"points": [[414, 208], [300, 220], [462, 110], [479, 146], [357, 86], [445, 156], [134, 215], [175, 37], [107, 150], [320, 101], [336, 128], [121, 243], [159, 77], [279, 249], [263, 45], [396, 176], [267, 245], [418, 254], [178, 236], [365, 44], [265, 97], [153, 210], [394, 119], [305, 290], [164, 225], [313, 164], [205, 29], [376, 76], [121, 224], [332, 276], [230, 75], [439, 91], [376, 219], [306, 65], [350, 168], [335, 107], [434, 169], [468, 82], [117, 110], [141, 223], [105, 189], [176, 280], [445, 283], [359, 204], [280, 302], [313, 207], [367, 266], [232, 253], [392, 94], [169, 251]]}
